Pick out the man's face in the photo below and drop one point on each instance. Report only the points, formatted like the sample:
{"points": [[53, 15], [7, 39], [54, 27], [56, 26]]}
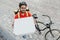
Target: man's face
{"points": [[23, 8]]}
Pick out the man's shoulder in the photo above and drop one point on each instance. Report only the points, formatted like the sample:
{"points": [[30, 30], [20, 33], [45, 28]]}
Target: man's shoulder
{"points": [[29, 14], [16, 16]]}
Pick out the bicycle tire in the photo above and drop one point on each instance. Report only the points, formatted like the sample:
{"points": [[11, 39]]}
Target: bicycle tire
{"points": [[52, 32]]}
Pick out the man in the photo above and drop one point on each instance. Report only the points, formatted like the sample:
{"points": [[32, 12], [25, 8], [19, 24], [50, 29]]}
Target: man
{"points": [[22, 13]]}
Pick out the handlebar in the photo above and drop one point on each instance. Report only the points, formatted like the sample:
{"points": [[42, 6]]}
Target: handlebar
{"points": [[49, 19], [35, 17], [48, 25]]}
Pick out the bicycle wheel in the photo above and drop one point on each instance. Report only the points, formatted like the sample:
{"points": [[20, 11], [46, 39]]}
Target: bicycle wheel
{"points": [[55, 33]]}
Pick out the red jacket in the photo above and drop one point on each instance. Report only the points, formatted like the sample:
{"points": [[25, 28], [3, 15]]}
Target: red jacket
{"points": [[20, 15]]}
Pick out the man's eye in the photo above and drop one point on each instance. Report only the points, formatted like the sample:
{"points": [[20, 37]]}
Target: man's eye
{"points": [[23, 8]]}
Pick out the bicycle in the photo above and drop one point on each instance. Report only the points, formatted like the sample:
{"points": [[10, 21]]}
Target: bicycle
{"points": [[48, 26]]}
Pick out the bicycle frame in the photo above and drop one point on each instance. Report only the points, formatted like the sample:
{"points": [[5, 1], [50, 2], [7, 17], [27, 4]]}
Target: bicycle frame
{"points": [[48, 25]]}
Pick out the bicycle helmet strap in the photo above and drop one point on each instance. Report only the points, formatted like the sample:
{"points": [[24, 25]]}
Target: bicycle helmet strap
{"points": [[27, 13], [18, 15]]}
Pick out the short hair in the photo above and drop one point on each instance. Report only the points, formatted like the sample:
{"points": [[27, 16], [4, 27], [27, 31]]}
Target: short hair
{"points": [[22, 3]]}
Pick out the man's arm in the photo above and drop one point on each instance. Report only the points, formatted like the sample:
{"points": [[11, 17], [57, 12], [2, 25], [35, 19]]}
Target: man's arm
{"points": [[29, 14], [16, 16]]}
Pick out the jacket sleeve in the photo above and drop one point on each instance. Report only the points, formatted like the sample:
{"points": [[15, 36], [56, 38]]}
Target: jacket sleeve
{"points": [[29, 14], [16, 16]]}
